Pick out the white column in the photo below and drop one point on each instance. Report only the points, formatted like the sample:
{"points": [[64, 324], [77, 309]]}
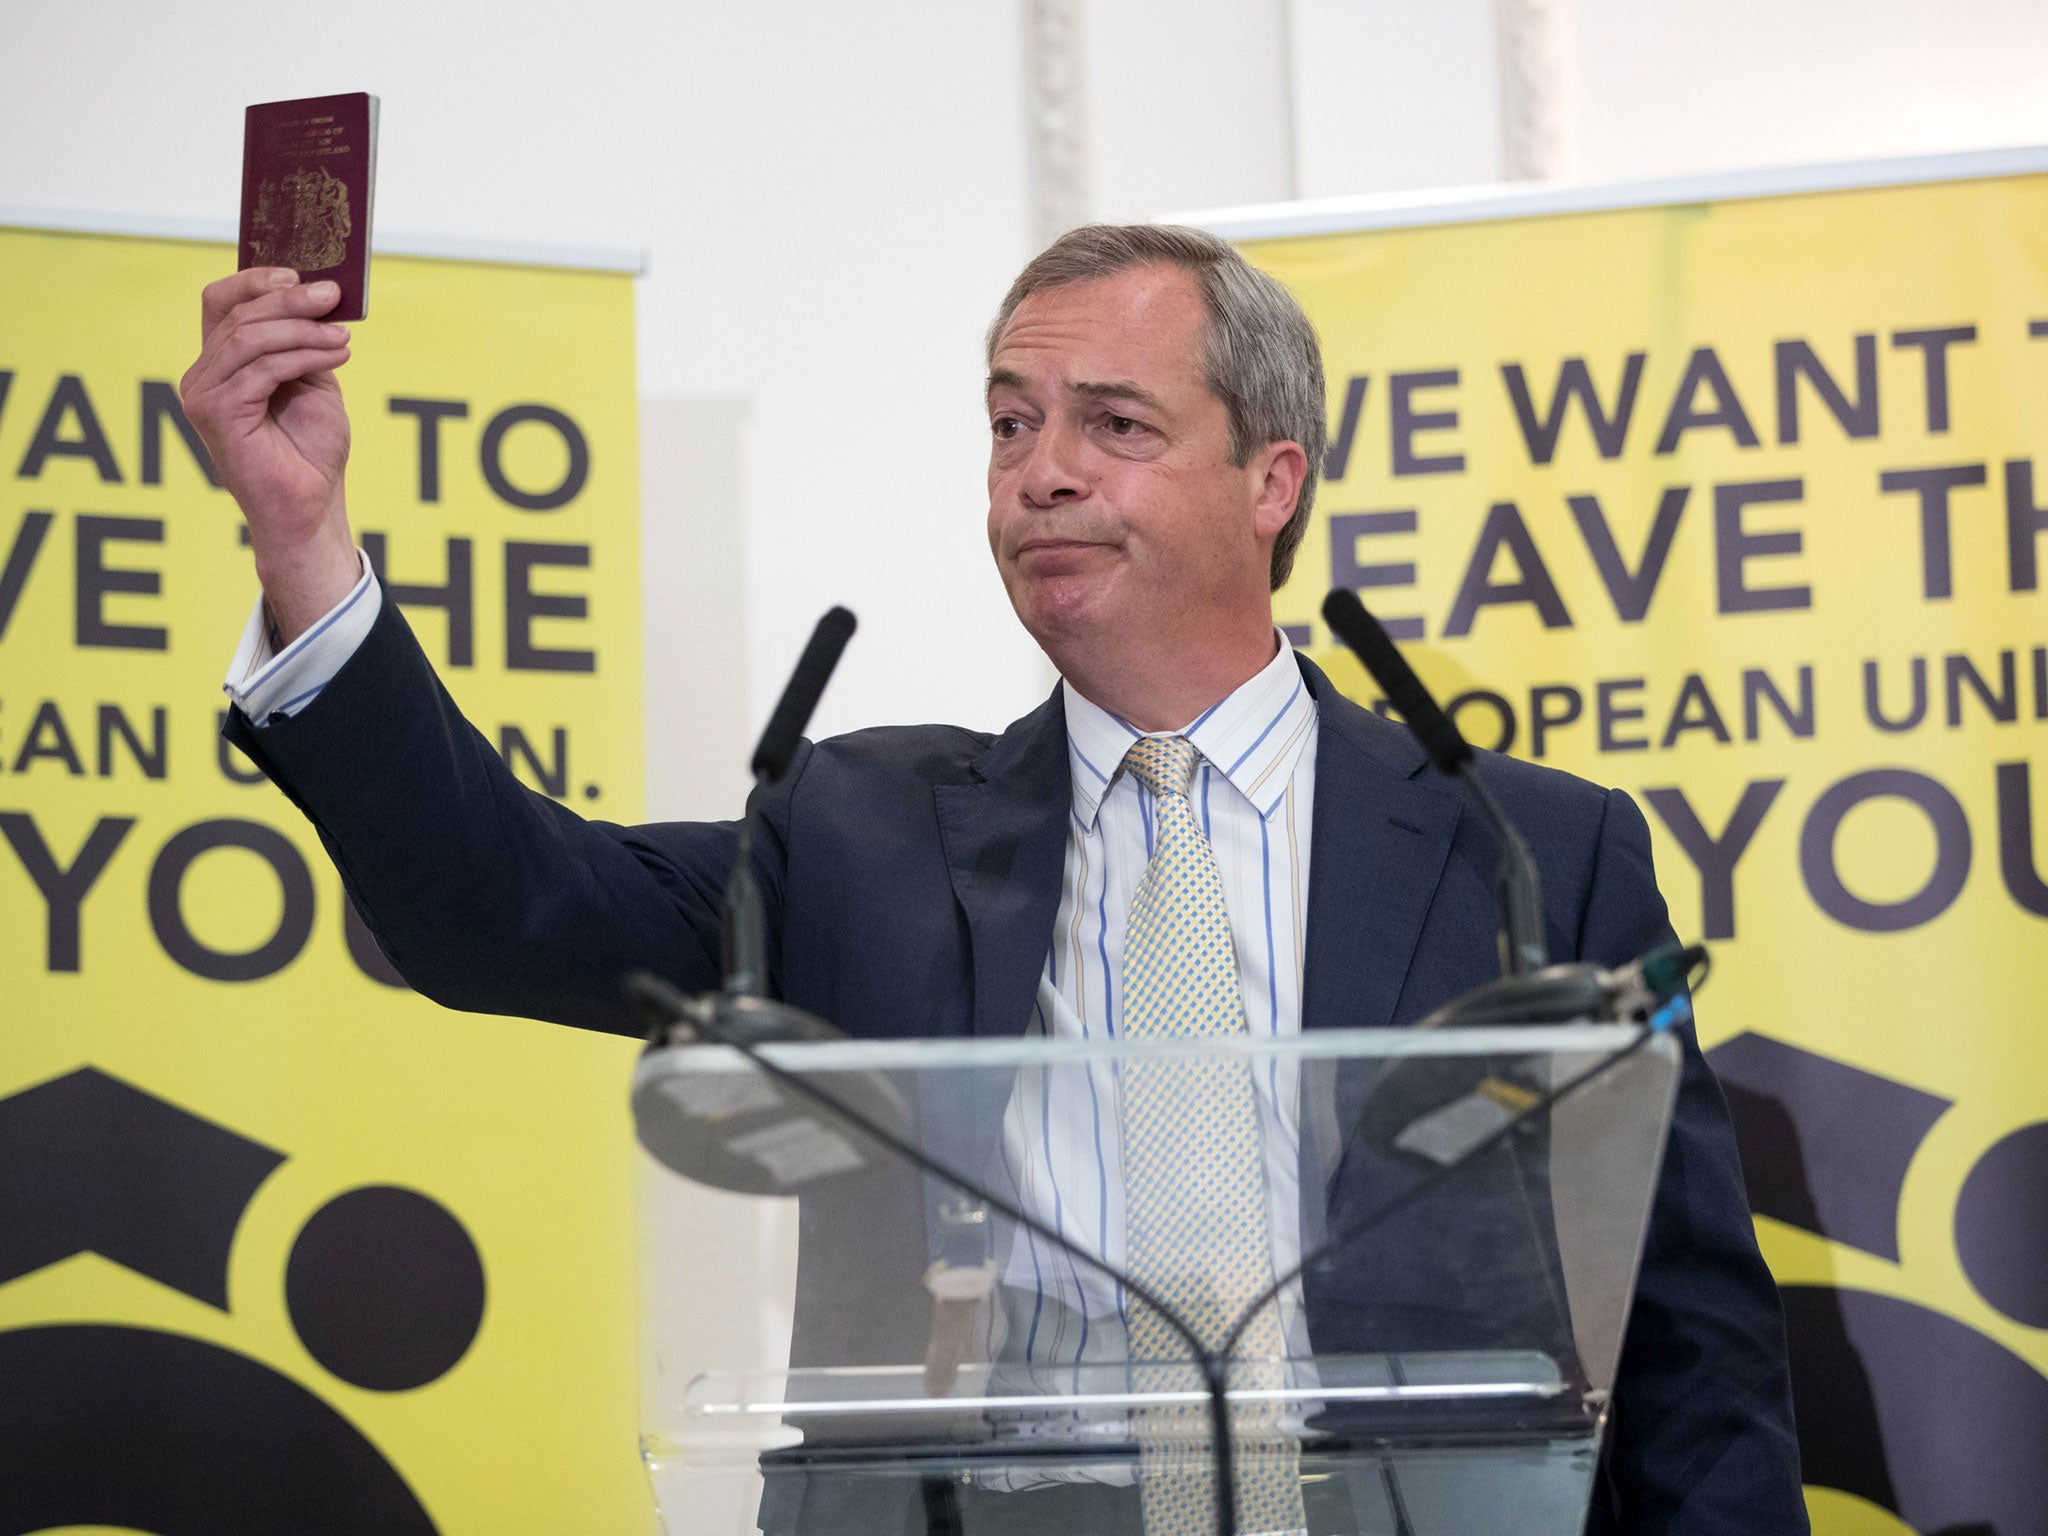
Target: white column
{"points": [[1056, 99], [1532, 88]]}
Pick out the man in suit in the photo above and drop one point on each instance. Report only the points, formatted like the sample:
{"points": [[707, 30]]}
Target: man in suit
{"points": [[1156, 418]]}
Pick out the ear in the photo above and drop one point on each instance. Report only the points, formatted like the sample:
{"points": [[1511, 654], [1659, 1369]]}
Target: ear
{"points": [[1277, 471]]}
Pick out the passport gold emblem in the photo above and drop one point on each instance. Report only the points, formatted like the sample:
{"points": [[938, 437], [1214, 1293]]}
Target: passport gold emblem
{"points": [[302, 221]]}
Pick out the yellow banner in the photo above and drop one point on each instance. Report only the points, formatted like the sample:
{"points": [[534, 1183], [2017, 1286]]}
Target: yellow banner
{"points": [[1743, 507], [281, 1243]]}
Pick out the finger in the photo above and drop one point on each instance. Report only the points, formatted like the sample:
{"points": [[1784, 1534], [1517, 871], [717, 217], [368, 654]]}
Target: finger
{"points": [[318, 298], [295, 302], [284, 295], [255, 384], [236, 348], [217, 298], [242, 404]]}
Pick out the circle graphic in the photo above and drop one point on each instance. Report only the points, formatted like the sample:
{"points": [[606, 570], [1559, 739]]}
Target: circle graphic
{"points": [[2002, 1225], [385, 1288]]}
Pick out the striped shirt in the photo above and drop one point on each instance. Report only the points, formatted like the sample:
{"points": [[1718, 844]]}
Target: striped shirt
{"points": [[1253, 795]]}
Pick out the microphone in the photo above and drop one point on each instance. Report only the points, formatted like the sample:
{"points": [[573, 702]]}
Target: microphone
{"points": [[1522, 945], [800, 696], [742, 937]]}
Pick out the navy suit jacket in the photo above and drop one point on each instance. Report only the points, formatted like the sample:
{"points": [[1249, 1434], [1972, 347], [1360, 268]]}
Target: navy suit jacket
{"points": [[912, 876]]}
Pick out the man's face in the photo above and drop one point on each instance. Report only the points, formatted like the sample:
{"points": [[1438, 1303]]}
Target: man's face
{"points": [[1115, 514]]}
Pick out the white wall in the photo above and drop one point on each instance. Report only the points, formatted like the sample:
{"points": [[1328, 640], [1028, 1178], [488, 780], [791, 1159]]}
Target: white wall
{"points": [[1399, 94], [1774, 82], [1392, 95], [1189, 104]]}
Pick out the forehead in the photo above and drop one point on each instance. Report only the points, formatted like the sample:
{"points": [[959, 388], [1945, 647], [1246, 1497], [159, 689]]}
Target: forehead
{"points": [[1145, 324]]}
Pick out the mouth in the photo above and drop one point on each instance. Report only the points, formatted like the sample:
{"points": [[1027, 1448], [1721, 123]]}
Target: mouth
{"points": [[1046, 546], [1047, 559]]}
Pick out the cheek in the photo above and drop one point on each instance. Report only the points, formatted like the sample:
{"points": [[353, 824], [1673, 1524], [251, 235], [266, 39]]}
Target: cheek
{"points": [[1002, 495], [998, 514], [1180, 507], [1212, 537]]}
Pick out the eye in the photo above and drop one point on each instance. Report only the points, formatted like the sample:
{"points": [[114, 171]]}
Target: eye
{"points": [[1122, 426], [1005, 427]]}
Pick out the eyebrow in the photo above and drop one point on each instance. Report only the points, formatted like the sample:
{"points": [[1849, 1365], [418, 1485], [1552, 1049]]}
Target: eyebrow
{"points": [[1120, 389], [1112, 389], [1002, 378]]}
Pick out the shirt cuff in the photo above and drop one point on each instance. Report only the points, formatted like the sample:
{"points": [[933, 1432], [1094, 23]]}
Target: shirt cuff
{"points": [[267, 683]]}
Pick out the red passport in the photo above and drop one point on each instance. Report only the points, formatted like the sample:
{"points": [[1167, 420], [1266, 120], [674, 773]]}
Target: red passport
{"points": [[309, 172]]}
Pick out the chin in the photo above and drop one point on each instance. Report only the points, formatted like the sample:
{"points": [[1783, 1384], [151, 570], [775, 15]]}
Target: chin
{"points": [[1059, 611]]}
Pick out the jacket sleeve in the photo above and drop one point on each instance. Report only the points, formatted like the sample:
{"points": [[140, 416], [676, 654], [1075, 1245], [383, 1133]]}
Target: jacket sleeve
{"points": [[485, 895], [1702, 1435]]}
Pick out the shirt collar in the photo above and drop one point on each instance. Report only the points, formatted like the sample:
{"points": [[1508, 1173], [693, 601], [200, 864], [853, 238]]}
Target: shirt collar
{"points": [[1253, 737]]}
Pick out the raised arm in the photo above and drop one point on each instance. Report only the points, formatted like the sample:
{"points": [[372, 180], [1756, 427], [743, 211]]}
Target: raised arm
{"points": [[485, 895], [264, 397]]}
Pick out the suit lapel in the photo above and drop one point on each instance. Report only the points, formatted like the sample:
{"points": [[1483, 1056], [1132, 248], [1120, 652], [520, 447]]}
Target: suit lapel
{"points": [[1381, 834], [1005, 834]]}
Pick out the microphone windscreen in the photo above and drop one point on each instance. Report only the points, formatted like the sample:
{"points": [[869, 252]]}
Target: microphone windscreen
{"points": [[1349, 621], [806, 686]]}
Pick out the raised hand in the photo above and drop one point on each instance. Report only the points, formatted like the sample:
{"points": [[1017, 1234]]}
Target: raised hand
{"points": [[264, 398]]}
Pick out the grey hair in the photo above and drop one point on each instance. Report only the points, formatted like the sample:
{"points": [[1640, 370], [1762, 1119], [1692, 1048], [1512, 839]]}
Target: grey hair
{"points": [[1260, 356]]}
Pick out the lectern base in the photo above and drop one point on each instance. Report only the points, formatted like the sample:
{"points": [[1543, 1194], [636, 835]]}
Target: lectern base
{"points": [[1536, 1489]]}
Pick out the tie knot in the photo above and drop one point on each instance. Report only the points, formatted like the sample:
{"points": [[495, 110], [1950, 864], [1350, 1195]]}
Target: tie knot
{"points": [[1163, 764]]}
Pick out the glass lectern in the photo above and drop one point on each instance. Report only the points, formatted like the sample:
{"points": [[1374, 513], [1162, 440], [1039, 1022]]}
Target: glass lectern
{"points": [[900, 1287]]}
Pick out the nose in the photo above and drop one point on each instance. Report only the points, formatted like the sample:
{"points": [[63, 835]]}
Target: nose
{"points": [[1055, 470]]}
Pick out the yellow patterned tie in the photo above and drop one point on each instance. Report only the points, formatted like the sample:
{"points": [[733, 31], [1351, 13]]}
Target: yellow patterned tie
{"points": [[1195, 1198]]}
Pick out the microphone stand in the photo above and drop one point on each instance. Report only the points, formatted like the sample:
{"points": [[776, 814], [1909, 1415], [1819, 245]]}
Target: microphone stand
{"points": [[741, 1012], [1530, 990], [743, 936]]}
